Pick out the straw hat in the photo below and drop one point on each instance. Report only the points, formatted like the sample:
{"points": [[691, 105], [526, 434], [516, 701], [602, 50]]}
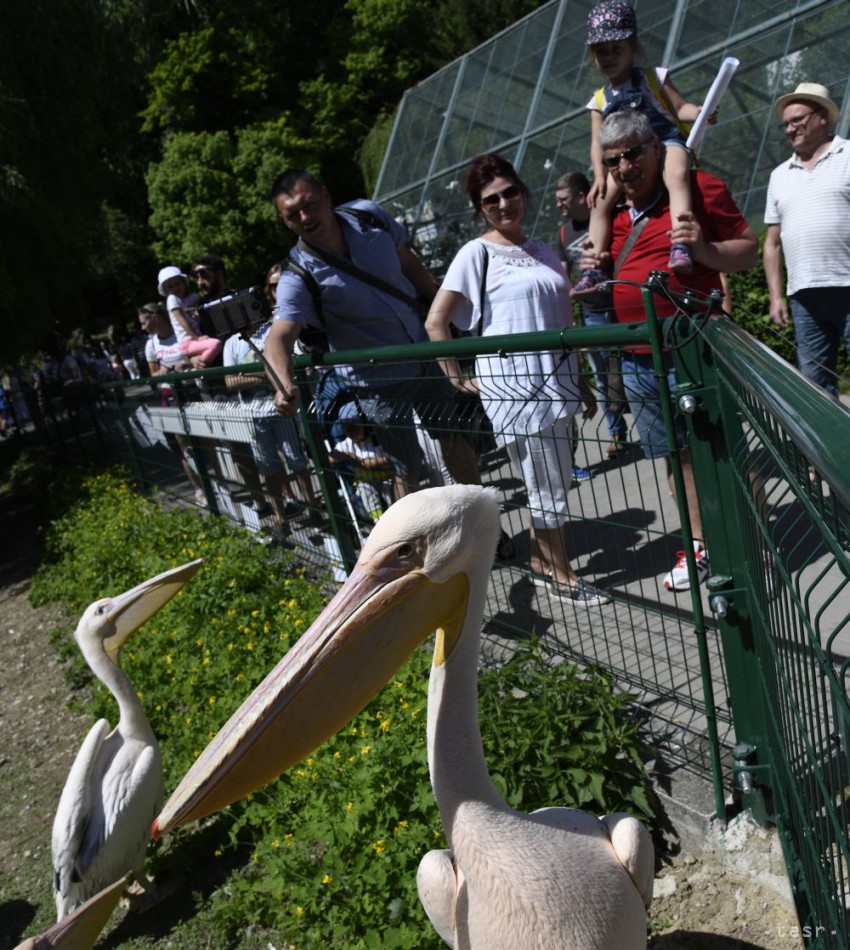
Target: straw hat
{"points": [[810, 92]]}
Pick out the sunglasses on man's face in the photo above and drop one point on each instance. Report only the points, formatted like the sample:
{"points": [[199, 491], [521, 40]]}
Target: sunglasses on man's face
{"points": [[509, 193], [630, 155], [202, 272]]}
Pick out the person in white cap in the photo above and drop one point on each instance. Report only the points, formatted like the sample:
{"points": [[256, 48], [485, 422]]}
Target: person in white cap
{"points": [[181, 305], [808, 225]]}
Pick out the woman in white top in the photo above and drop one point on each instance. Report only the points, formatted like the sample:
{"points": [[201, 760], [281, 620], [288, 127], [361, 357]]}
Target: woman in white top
{"points": [[505, 283]]}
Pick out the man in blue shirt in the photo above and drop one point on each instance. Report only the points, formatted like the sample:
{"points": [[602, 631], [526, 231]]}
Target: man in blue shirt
{"points": [[355, 313]]}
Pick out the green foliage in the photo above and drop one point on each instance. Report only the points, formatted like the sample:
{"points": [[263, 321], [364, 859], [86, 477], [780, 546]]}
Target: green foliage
{"points": [[334, 844], [751, 303], [563, 736], [371, 155], [210, 193], [67, 124]]}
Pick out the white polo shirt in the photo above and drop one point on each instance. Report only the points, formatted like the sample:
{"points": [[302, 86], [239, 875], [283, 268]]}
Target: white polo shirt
{"points": [[813, 211]]}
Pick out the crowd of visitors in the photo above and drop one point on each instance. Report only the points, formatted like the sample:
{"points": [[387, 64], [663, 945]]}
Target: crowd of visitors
{"points": [[352, 282]]}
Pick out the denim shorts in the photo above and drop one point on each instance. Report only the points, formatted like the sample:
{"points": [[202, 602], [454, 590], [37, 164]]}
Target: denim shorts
{"points": [[390, 408], [641, 385], [273, 435]]}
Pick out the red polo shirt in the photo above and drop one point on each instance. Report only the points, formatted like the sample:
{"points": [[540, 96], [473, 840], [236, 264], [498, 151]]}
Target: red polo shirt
{"points": [[720, 220]]}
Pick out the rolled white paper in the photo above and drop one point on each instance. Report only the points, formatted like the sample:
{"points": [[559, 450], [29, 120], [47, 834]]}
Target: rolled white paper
{"points": [[718, 87]]}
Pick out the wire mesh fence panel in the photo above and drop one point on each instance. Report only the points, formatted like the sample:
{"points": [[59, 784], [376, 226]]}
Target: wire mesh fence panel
{"points": [[754, 696]]}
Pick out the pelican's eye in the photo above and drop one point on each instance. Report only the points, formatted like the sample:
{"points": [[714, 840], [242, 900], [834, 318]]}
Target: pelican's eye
{"points": [[404, 551], [101, 609]]}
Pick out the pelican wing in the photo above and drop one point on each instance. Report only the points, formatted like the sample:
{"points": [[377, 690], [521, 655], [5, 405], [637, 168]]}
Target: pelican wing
{"points": [[74, 811], [117, 836]]}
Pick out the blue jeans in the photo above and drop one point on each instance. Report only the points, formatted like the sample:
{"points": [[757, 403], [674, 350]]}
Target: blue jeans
{"points": [[641, 386], [821, 318], [598, 360]]}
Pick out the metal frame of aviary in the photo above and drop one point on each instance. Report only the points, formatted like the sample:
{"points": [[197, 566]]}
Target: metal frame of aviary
{"points": [[523, 93]]}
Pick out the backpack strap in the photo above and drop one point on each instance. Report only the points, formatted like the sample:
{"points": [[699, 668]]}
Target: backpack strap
{"points": [[599, 98], [311, 283], [365, 218], [482, 288], [312, 339], [661, 96]]}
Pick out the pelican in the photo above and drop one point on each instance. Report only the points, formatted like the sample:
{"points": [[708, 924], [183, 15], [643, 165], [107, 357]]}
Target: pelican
{"points": [[556, 878], [115, 785], [81, 928]]}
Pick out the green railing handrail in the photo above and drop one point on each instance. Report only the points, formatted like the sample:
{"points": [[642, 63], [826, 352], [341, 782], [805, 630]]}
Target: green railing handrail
{"points": [[613, 335], [789, 396]]}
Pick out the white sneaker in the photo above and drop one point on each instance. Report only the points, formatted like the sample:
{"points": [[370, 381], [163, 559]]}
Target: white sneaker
{"points": [[678, 578]]}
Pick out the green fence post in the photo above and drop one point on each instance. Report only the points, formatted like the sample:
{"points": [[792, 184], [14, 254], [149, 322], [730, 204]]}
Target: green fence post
{"points": [[714, 428], [337, 515], [656, 338]]}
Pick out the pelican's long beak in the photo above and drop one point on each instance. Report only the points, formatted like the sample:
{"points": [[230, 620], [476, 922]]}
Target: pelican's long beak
{"points": [[81, 928], [128, 611], [360, 639]]}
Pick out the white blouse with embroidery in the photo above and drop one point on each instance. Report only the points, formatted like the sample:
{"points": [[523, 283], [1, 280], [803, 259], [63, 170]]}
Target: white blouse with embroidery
{"points": [[526, 290]]}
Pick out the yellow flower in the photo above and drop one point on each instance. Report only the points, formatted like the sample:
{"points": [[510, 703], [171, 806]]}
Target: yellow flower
{"points": [[365, 750], [349, 806], [327, 879], [217, 853], [211, 700], [249, 645], [275, 843], [287, 838], [385, 725], [299, 911], [379, 846]]}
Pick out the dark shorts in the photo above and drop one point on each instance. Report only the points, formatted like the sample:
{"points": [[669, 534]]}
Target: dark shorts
{"points": [[391, 408]]}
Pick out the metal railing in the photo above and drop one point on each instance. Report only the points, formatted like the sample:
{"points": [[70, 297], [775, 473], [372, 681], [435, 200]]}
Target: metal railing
{"points": [[742, 680]]}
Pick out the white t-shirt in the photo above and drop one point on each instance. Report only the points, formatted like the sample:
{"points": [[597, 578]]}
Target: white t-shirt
{"points": [[812, 209], [526, 290], [164, 350], [188, 305]]}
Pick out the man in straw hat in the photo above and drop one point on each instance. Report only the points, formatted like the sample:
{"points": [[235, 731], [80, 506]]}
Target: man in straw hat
{"points": [[808, 224]]}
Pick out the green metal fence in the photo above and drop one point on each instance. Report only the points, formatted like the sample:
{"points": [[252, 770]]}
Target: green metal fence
{"points": [[742, 680]]}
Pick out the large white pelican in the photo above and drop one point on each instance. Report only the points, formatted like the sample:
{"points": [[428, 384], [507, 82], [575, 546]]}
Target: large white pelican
{"points": [[558, 879], [115, 785], [81, 928]]}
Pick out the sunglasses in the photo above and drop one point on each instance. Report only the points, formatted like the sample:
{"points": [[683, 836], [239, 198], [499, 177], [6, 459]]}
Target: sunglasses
{"points": [[202, 272], [508, 194], [630, 155]]}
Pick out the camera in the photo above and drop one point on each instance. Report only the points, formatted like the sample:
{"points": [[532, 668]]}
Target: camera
{"points": [[235, 313]]}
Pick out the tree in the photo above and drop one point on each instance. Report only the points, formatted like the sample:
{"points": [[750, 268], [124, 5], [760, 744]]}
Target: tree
{"points": [[210, 194]]}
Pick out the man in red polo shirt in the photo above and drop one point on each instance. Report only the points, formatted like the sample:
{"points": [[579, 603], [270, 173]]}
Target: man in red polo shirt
{"points": [[720, 240]]}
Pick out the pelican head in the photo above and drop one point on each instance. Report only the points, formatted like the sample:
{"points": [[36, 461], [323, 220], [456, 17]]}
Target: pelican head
{"points": [[112, 620], [414, 575]]}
